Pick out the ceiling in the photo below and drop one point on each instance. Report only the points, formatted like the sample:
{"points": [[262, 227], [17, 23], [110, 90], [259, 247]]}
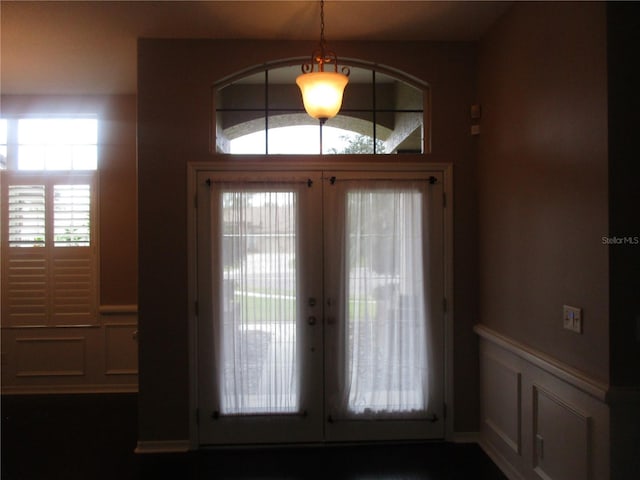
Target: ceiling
{"points": [[89, 47]]}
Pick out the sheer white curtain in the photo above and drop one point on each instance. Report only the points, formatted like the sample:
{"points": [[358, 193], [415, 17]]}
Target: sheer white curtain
{"points": [[384, 326], [256, 338]]}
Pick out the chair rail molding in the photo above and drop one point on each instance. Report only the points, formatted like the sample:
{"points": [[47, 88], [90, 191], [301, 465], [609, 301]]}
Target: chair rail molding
{"points": [[540, 418]]}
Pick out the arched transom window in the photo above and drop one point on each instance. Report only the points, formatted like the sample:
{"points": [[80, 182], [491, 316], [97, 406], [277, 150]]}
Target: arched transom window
{"points": [[262, 113]]}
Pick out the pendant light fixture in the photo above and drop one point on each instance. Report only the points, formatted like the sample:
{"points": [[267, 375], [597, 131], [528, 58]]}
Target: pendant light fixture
{"points": [[322, 90]]}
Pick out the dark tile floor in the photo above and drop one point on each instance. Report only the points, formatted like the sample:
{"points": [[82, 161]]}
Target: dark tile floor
{"points": [[93, 437]]}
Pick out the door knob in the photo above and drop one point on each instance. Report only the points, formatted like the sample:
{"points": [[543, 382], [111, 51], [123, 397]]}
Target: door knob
{"points": [[311, 321]]}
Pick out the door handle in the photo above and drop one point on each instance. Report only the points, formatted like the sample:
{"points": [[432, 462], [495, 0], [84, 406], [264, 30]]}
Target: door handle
{"points": [[312, 320]]}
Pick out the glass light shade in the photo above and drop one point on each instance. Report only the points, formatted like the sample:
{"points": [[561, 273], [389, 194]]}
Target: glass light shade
{"points": [[322, 93]]}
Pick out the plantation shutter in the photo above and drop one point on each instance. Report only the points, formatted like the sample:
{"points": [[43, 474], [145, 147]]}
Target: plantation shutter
{"points": [[72, 275], [25, 272], [49, 258]]}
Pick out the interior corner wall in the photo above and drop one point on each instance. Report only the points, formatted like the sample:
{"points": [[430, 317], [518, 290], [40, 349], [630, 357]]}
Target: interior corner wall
{"points": [[175, 78], [542, 171]]}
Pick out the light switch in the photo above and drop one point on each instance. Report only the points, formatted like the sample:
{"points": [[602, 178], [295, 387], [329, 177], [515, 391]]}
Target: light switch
{"points": [[572, 318]]}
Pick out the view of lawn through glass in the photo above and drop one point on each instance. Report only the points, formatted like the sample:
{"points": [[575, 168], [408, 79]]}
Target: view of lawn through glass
{"points": [[260, 308]]}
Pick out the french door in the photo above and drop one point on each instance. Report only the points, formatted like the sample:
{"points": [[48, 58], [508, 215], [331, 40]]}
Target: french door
{"points": [[320, 300]]}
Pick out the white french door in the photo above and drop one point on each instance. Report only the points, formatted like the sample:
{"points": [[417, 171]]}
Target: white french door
{"points": [[384, 289], [320, 306], [259, 285]]}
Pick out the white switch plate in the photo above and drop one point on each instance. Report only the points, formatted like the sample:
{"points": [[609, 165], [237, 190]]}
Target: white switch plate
{"points": [[572, 318]]}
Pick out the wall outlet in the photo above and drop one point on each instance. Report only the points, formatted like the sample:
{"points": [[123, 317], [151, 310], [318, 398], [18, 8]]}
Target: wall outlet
{"points": [[572, 318]]}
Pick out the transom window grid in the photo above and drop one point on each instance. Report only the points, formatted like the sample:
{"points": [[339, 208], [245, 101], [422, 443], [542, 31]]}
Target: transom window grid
{"points": [[380, 114], [49, 143]]}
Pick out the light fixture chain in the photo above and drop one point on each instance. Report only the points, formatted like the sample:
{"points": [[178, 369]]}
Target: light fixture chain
{"points": [[322, 23], [322, 91]]}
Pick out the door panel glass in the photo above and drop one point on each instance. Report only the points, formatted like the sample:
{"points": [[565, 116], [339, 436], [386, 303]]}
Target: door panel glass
{"points": [[259, 290], [384, 277], [385, 359]]}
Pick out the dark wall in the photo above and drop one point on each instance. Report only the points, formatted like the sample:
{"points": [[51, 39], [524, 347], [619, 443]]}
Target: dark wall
{"points": [[542, 179], [624, 192], [623, 37], [174, 119]]}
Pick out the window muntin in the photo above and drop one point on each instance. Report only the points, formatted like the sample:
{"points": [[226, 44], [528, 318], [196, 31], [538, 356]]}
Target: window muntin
{"points": [[380, 114], [57, 144]]}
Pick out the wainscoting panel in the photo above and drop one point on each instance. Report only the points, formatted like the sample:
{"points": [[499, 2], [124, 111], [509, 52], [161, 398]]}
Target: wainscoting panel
{"points": [[96, 358], [54, 357], [501, 417], [540, 419], [501, 387], [561, 436], [121, 349]]}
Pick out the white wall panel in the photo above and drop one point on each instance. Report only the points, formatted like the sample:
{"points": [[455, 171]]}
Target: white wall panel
{"points": [[121, 350], [53, 357], [76, 359], [562, 415], [501, 387], [561, 434]]}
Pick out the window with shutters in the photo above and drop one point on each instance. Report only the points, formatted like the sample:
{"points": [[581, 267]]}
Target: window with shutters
{"points": [[49, 254]]}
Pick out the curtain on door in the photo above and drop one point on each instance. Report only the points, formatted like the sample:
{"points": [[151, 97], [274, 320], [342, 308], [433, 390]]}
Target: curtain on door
{"points": [[256, 339], [384, 327]]}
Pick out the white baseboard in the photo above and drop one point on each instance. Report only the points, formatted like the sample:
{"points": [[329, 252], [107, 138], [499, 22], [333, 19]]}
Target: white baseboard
{"points": [[510, 472], [67, 389], [162, 446]]}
